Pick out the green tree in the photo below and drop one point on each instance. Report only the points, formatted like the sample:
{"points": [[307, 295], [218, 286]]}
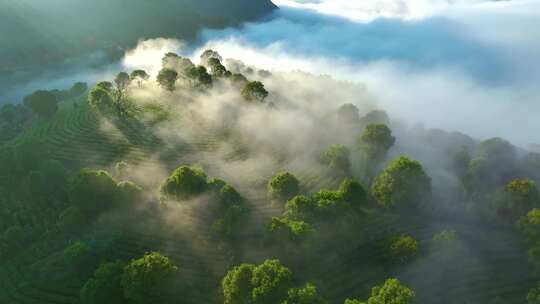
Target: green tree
{"points": [[283, 186], [522, 196], [237, 285], [336, 157], [43, 103], [104, 287], [283, 228], [534, 255], [497, 150], [106, 85], [78, 89], [93, 191], [375, 141], [402, 184], [254, 91], [120, 95], [300, 207], [239, 80], [493, 164], [403, 249], [267, 283], [217, 69], [348, 114], [139, 76], [306, 294], [167, 79], [199, 76], [101, 100], [184, 183], [122, 81], [271, 282], [210, 54], [148, 279], [376, 117], [353, 193], [460, 163], [533, 297], [391, 292], [529, 225], [169, 60]]}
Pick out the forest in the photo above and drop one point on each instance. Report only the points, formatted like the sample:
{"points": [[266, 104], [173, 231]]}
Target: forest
{"points": [[215, 181]]}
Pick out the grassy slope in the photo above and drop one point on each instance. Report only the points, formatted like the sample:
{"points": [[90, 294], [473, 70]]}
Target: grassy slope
{"points": [[494, 263]]}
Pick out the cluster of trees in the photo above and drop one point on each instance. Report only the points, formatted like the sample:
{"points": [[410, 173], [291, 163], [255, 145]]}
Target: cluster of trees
{"points": [[283, 186], [203, 76], [93, 192], [403, 184], [34, 191], [269, 282], [112, 98], [227, 208], [303, 213], [402, 249], [273, 283], [520, 196], [149, 279], [337, 158], [391, 292]]}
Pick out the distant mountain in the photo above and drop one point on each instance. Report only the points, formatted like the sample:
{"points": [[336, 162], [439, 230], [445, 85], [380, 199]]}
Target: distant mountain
{"points": [[37, 34]]}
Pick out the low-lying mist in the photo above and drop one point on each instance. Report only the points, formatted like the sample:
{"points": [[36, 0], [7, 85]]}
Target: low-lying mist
{"points": [[454, 70], [462, 67]]}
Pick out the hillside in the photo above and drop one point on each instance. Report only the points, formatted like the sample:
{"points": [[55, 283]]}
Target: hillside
{"points": [[192, 165]]}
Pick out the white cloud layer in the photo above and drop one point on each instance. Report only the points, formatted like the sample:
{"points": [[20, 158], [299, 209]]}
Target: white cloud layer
{"points": [[472, 68], [365, 10]]}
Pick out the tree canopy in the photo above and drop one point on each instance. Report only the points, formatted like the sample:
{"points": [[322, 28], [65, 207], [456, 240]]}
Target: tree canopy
{"points": [[43, 103], [376, 140], [148, 279], [391, 292], [336, 157], [283, 186], [348, 114], [254, 91], [266, 283], [104, 287], [522, 196], [167, 79], [184, 183], [139, 76], [402, 184]]}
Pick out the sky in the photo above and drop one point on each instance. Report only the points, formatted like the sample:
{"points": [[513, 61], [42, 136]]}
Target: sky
{"points": [[470, 66]]}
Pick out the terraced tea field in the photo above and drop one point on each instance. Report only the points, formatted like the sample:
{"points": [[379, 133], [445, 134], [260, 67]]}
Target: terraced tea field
{"points": [[492, 266]]}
